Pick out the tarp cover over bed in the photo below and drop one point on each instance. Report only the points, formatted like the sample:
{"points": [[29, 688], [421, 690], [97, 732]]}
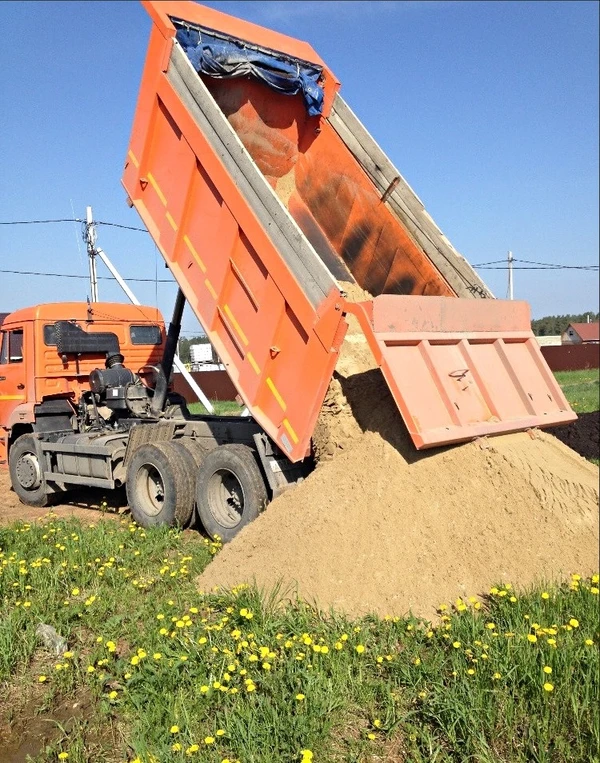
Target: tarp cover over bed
{"points": [[228, 58]]}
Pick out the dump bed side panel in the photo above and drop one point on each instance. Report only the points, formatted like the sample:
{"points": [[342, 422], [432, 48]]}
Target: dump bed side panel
{"points": [[265, 299]]}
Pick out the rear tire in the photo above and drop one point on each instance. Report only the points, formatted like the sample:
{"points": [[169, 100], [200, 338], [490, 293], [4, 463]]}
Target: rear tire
{"points": [[197, 451], [160, 485], [26, 472], [230, 491]]}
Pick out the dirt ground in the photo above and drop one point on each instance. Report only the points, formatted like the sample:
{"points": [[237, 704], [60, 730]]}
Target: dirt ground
{"points": [[83, 504]]}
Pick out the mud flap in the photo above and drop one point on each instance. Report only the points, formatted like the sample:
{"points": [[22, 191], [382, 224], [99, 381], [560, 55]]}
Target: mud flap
{"points": [[461, 368]]}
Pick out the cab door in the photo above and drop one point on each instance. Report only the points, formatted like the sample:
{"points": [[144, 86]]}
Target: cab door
{"points": [[13, 377]]}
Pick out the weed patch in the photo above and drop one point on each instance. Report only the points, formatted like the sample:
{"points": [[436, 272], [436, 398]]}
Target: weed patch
{"points": [[162, 673]]}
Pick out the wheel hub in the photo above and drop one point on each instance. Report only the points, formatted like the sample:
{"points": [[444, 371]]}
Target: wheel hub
{"points": [[28, 472], [226, 498]]}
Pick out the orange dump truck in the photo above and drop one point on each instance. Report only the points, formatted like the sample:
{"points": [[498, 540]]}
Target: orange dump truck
{"points": [[265, 195], [263, 192]]}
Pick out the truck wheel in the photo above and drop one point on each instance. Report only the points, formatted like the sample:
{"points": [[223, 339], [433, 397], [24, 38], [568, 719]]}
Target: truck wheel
{"points": [[197, 452], [160, 485], [26, 472], [230, 491]]}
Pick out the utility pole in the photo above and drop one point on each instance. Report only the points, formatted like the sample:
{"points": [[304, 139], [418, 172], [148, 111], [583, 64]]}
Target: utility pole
{"points": [[510, 276], [90, 240]]}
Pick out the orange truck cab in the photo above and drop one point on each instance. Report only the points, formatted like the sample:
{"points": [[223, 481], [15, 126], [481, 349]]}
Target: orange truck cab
{"points": [[40, 387]]}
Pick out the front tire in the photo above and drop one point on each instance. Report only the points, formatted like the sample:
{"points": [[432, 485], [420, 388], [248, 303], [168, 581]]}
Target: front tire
{"points": [[160, 485], [230, 491], [27, 472]]}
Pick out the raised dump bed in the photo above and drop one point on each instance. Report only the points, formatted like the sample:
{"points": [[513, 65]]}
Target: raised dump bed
{"points": [[264, 192]]}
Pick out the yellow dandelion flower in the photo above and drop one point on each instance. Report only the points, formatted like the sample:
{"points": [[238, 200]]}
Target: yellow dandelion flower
{"points": [[41, 679], [209, 740], [545, 595], [360, 649], [174, 729], [589, 642], [456, 644], [63, 755], [176, 747], [574, 623], [371, 736], [547, 669], [531, 638], [300, 697], [548, 686], [497, 676]]}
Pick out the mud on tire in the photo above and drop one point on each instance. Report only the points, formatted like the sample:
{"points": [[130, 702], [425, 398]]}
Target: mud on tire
{"points": [[160, 485], [27, 472], [230, 491]]}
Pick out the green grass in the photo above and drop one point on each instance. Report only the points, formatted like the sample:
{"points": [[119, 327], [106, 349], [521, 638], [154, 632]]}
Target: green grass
{"points": [[221, 408], [581, 388], [181, 675]]}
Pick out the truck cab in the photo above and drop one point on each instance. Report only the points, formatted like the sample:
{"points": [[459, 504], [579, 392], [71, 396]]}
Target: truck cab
{"points": [[40, 387]]}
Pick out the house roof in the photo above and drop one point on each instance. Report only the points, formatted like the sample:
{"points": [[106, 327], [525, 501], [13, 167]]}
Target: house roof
{"points": [[589, 332]]}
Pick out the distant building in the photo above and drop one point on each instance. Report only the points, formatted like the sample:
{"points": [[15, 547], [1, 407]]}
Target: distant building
{"points": [[549, 341], [581, 333]]}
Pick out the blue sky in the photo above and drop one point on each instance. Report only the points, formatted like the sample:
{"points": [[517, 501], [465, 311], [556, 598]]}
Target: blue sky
{"points": [[488, 109]]}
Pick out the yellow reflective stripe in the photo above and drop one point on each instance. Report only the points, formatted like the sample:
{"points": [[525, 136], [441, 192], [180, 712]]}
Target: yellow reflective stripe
{"points": [[12, 397], [154, 184], [253, 363], [236, 325], [276, 394], [172, 222], [133, 158], [291, 432], [194, 253], [211, 289]]}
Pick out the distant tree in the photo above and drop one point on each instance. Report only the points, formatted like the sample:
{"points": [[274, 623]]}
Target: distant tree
{"points": [[552, 325]]}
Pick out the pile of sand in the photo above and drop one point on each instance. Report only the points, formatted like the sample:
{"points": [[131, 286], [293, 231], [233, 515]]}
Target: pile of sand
{"points": [[380, 527]]}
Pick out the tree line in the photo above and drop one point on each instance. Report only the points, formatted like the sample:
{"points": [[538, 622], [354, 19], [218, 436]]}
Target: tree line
{"points": [[552, 325]]}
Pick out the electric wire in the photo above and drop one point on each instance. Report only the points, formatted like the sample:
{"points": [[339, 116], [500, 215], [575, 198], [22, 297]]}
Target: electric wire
{"points": [[85, 277]]}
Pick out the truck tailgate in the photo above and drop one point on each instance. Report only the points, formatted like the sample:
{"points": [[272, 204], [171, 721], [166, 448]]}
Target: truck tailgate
{"points": [[460, 369]]}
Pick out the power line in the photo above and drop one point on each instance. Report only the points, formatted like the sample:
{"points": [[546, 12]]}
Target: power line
{"points": [[527, 267], [42, 222], [72, 275], [118, 225], [71, 220], [539, 265]]}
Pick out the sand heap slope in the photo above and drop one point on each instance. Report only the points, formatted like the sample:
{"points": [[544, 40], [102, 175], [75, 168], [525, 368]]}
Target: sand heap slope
{"points": [[379, 527]]}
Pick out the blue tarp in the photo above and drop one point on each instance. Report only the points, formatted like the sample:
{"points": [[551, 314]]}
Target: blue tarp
{"points": [[219, 57]]}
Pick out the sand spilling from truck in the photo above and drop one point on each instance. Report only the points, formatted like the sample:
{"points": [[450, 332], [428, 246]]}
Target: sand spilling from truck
{"points": [[379, 527]]}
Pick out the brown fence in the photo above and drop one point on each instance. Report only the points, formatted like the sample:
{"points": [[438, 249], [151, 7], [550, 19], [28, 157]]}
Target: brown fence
{"points": [[572, 357], [216, 385]]}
